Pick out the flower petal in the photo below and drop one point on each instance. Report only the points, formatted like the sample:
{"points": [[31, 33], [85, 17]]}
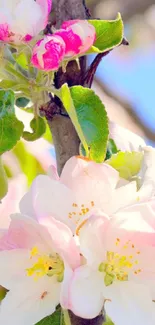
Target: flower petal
{"points": [[129, 303], [92, 239], [147, 174], [65, 287], [122, 197], [46, 200], [63, 241], [30, 302], [86, 299], [52, 173], [92, 183], [24, 232], [26, 204], [13, 266]]}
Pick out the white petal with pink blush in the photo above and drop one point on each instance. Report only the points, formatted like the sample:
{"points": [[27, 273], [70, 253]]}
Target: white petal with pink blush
{"points": [[37, 264], [17, 23], [82, 187], [120, 252]]}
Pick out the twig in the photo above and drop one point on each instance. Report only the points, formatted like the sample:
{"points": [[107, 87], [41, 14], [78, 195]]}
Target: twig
{"points": [[89, 76]]}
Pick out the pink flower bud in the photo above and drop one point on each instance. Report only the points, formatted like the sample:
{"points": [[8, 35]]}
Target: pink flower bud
{"points": [[21, 20], [73, 42], [48, 53], [84, 30]]}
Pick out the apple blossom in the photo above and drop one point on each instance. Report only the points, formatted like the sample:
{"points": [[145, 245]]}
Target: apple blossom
{"points": [[120, 268], [21, 20], [84, 186], [48, 53], [37, 263], [84, 30]]}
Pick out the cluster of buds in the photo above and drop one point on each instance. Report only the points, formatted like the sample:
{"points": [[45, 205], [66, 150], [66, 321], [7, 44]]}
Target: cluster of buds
{"points": [[19, 24], [74, 38]]}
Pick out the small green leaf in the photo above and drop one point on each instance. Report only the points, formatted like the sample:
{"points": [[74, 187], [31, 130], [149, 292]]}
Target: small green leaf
{"points": [[109, 33], [22, 60], [3, 293], [111, 149], [38, 126], [22, 102], [128, 164], [108, 321], [3, 181], [11, 128], [8, 84], [54, 319], [89, 117]]}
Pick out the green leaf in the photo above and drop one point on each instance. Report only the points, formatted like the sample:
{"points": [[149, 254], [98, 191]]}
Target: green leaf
{"points": [[22, 102], [30, 166], [109, 33], [54, 319], [128, 164], [38, 126], [8, 84], [109, 321], [89, 117], [3, 293], [11, 128], [22, 60], [3, 181], [68, 103], [111, 149]]}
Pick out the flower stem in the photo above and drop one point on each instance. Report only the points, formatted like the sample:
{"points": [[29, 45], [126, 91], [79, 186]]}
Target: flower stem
{"points": [[66, 317]]}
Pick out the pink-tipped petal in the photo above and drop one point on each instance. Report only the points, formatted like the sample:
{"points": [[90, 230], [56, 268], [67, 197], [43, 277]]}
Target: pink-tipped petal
{"points": [[72, 41], [18, 24], [4, 32], [84, 30], [25, 233], [48, 53]]}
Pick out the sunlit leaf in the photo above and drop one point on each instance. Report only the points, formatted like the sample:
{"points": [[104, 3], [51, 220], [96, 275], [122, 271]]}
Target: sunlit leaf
{"points": [[109, 33], [89, 117], [128, 164], [38, 127], [11, 128]]}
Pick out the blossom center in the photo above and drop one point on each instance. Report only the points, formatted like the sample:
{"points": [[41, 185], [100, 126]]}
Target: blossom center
{"points": [[117, 266], [79, 212], [49, 265]]}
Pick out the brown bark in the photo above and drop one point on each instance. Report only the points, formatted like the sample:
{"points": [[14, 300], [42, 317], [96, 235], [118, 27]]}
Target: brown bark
{"points": [[65, 139]]}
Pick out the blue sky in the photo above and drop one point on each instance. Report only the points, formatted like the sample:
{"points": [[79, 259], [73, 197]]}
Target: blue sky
{"points": [[134, 78]]}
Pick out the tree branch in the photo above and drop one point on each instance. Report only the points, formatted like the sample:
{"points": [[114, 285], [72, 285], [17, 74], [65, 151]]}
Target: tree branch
{"points": [[65, 138]]}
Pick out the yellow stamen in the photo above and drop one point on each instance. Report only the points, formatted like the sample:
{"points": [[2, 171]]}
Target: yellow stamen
{"points": [[80, 226]]}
